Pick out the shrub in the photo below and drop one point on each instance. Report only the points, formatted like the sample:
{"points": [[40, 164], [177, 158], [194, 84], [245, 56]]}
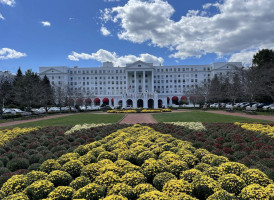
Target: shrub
{"points": [[133, 178], [127, 155], [176, 167], [270, 190], [203, 186], [79, 182], [35, 158], [151, 167], [232, 168], [39, 189], [73, 167], [1, 164], [153, 195], [231, 183], [190, 159], [34, 166], [219, 160], [111, 167], [2, 194], [67, 157], [17, 196], [202, 166], [143, 188], [4, 160], [199, 153], [59, 178], [188, 175], [144, 156], [176, 187], [15, 184], [81, 150], [91, 191], [4, 170], [108, 179], [91, 171], [222, 195], [35, 176], [49, 166], [213, 172], [123, 190], [87, 159], [254, 191], [161, 178], [115, 197], [62, 193], [251, 176], [107, 155], [18, 163]]}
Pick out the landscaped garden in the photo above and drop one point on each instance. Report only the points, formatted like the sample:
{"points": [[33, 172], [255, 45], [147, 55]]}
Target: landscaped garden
{"points": [[161, 161]]}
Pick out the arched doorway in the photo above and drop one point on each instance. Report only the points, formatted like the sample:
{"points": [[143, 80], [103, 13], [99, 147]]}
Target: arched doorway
{"points": [[150, 103], [160, 103], [120, 103], [97, 101], [129, 103], [106, 101], [140, 103]]}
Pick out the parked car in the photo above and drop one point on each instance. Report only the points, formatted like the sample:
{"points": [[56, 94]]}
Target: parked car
{"points": [[54, 110], [269, 107], [8, 111], [22, 113], [37, 111]]}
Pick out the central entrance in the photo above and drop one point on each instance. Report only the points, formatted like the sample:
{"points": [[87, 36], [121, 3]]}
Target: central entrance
{"points": [[150, 103], [140, 103], [129, 103]]}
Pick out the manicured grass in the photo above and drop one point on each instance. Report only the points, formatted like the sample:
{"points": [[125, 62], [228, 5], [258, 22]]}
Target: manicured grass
{"points": [[196, 116], [75, 119]]}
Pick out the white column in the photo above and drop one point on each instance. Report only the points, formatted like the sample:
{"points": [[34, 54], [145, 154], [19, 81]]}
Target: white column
{"points": [[124, 103], [115, 103], [135, 82], [165, 101], [126, 81], [152, 81], [144, 80]]}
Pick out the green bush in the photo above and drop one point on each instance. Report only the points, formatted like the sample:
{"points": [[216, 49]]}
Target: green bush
{"points": [[127, 155], [203, 186], [133, 178], [62, 193], [176, 187], [81, 150], [232, 168], [176, 167], [91, 171], [153, 195], [251, 176], [39, 189], [73, 167], [231, 183], [35, 158], [254, 191], [87, 158], [143, 188], [188, 175], [222, 195], [219, 160], [35, 176], [4, 170], [67, 157], [49, 166], [18, 163], [59, 178], [190, 159], [199, 153], [107, 155], [1, 164], [15, 184], [34, 166], [161, 178], [108, 179], [91, 191], [214, 172], [151, 167], [17, 196], [144, 156], [123, 190], [79, 182], [115, 197], [202, 166]]}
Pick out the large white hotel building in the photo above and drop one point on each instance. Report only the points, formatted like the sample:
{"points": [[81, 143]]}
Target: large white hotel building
{"points": [[137, 84]]}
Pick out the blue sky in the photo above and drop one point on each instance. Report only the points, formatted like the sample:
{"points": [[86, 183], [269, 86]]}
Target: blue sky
{"points": [[85, 33]]}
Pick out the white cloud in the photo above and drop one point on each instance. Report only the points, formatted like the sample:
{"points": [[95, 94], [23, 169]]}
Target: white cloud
{"points": [[238, 25], [105, 31], [2, 17], [110, 0], [121, 61], [6, 53], [46, 23], [244, 56], [8, 2]]}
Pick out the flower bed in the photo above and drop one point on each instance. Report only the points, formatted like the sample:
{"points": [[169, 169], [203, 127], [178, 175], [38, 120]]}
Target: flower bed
{"points": [[27, 152], [261, 128], [196, 126], [140, 111], [122, 111], [139, 163], [250, 148], [9, 134], [79, 127]]}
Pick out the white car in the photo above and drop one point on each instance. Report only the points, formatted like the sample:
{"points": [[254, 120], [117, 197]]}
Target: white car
{"points": [[19, 111], [54, 109], [8, 111], [268, 107]]}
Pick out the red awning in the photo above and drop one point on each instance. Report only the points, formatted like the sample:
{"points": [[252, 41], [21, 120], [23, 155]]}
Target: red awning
{"points": [[105, 100], [88, 100], [175, 98], [96, 100], [112, 100], [183, 98]]}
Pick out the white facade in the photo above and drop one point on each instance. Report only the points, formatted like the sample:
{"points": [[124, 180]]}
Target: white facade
{"points": [[138, 84]]}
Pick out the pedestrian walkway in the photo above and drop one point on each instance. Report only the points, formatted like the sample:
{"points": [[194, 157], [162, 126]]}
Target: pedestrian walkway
{"points": [[138, 119], [262, 117], [31, 120]]}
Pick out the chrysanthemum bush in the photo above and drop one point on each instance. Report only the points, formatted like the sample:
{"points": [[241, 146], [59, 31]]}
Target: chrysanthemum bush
{"points": [[249, 147], [31, 147], [177, 171], [261, 128]]}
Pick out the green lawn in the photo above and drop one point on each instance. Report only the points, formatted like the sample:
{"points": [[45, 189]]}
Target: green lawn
{"points": [[75, 119], [196, 116]]}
